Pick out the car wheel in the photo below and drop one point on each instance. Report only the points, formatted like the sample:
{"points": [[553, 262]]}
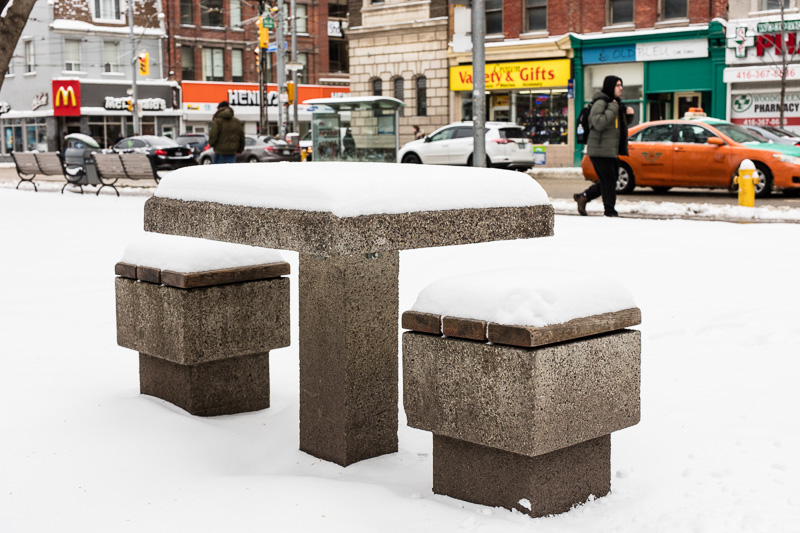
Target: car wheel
{"points": [[412, 159], [661, 190], [764, 184], [205, 161], [252, 159], [625, 179]]}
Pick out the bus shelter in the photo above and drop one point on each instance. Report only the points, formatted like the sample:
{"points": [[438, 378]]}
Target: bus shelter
{"points": [[372, 135]]}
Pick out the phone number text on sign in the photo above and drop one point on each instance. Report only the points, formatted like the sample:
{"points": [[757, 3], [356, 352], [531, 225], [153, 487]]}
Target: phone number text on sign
{"points": [[771, 74]]}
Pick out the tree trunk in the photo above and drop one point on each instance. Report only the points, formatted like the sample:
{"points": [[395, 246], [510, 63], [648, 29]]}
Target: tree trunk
{"points": [[11, 25], [784, 62]]}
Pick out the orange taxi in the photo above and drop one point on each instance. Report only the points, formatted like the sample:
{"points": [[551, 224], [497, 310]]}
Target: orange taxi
{"points": [[701, 152]]}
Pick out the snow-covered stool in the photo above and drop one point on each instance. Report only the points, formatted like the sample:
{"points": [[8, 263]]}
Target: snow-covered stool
{"points": [[522, 375], [203, 316]]}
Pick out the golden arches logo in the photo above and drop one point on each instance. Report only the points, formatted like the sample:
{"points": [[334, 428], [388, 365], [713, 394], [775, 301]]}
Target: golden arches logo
{"points": [[65, 96]]}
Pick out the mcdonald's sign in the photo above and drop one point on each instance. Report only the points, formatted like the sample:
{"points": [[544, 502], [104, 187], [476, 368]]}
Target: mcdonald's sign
{"points": [[66, 98]]}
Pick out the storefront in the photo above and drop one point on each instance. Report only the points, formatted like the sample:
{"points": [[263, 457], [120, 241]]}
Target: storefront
{"points": [[664, 72], [528, 84], [200, 101], [96, 108], [755, 72]]}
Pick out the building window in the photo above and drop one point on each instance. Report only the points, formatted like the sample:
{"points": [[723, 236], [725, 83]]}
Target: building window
{"points": [[301, 18], [72, 54], [107, 9], [536, 14], [110, 56], [10, 71], [236, 14], [213, 64], [187, 12], [621, 11], [237, 70], [30, 61], [337, 51], [675, 9], [187, 63], [211, 12], [768, 5], [338, 8], [421, 84], [398, 90], [302, 57], [494, 16], [377, 87]]}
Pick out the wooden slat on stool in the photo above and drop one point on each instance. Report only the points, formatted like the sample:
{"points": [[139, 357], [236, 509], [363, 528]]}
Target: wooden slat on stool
{"points": [[464, 328], [529, 336], [148, 274], [223, 276], [125, 270], [422, 322]]}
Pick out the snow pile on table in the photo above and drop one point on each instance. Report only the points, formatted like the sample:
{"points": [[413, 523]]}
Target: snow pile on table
{"points": [[523, 297], [353, 189], [187, 254]]}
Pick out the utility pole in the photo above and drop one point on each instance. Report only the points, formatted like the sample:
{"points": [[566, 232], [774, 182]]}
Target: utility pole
{"points": [[295, 122], [479, 83], [263, 43], [281, 65], [134, 72]]}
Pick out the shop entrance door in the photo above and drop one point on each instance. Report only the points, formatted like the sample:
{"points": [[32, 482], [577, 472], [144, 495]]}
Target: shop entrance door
{"points": [[683, 101]]}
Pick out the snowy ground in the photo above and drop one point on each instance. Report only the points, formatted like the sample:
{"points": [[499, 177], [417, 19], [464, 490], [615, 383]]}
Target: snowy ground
{"points": [[81, 450]]}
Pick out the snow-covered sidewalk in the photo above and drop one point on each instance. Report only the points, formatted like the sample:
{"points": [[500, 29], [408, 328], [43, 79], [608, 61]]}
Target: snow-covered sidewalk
{"points": [[716, 450]]}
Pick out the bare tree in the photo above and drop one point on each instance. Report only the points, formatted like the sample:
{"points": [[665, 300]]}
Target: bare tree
{"points": [[13, 17]]}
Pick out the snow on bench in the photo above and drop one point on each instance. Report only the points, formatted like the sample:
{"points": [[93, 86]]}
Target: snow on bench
{"points": [[186, 262], [522, 307]]}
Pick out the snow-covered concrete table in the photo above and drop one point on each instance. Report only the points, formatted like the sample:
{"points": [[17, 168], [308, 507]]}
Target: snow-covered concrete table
{"points": [[349, 221]]}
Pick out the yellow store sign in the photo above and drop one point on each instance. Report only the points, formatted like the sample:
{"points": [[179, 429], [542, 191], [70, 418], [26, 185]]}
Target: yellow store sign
{"points": [[529, 74]]}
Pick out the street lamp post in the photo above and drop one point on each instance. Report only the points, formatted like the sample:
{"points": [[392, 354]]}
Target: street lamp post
{"points": [[479, 82], [295, 122], [134, 72], [281, 65]]}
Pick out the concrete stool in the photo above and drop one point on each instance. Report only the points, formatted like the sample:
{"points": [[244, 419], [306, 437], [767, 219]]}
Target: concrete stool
{"points": [[203, 336], [521, 415]]}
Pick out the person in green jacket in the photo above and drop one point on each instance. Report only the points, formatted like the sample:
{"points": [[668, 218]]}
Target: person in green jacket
{"points": [[226, 136], [608, 139]]}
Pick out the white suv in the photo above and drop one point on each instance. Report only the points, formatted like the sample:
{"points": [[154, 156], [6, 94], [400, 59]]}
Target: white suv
{"points": [[507, 146]]}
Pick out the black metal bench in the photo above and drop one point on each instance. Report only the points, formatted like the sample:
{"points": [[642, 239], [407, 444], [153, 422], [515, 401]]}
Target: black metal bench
{"points": [[31, 164], [114, 167]]}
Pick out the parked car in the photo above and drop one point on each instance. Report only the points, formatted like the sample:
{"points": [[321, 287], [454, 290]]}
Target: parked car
{"points": [[165, 153], [259, 150], [702, 152], [507, 146], [776, 135], [196, 141]]}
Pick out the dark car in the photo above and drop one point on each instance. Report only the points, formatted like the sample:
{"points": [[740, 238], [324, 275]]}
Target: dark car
{"points": [[259, 150], [165, 153], [196, 141]]}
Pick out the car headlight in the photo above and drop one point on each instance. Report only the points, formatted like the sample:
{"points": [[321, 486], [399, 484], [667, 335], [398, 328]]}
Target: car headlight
{"points": [[783, 158]]}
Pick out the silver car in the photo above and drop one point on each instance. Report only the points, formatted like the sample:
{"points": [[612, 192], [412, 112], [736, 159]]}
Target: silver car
{"points": [[776, 135], [259, 150]]}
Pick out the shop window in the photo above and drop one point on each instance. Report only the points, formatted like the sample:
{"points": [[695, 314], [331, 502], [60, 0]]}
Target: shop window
{"points": [[620, 11], [110, 56], [399, 90], [494, 16], [30, 61], [107, 131], [236, 65], [542, 114], [536, 14], [674, 9], [72, 54], [236, 13], [187, 63], [377, 87], [301, 18], [211, 12], [213, 64], [337, 53], [107, 9], [337, 8], [421, 86], [187, 12]]}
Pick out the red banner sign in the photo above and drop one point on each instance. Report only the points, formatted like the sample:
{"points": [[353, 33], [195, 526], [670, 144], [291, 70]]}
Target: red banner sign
{"points": [[66, 98]]}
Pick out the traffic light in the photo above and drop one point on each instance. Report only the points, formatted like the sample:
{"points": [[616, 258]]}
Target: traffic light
{"points": [[263, 34], [257, 52], [144, 64], [290, 91], [129, 105]]}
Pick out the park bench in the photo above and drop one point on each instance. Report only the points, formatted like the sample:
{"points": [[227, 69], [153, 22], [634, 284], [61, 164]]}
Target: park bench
{"points": [[31, 164], [203, 330], [113, 167], [521, 415]]}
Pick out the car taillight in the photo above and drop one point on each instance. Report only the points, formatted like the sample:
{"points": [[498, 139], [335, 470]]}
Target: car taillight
{"points": [[160, 152], [269, 148], [502, 141], [207, 147]]}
